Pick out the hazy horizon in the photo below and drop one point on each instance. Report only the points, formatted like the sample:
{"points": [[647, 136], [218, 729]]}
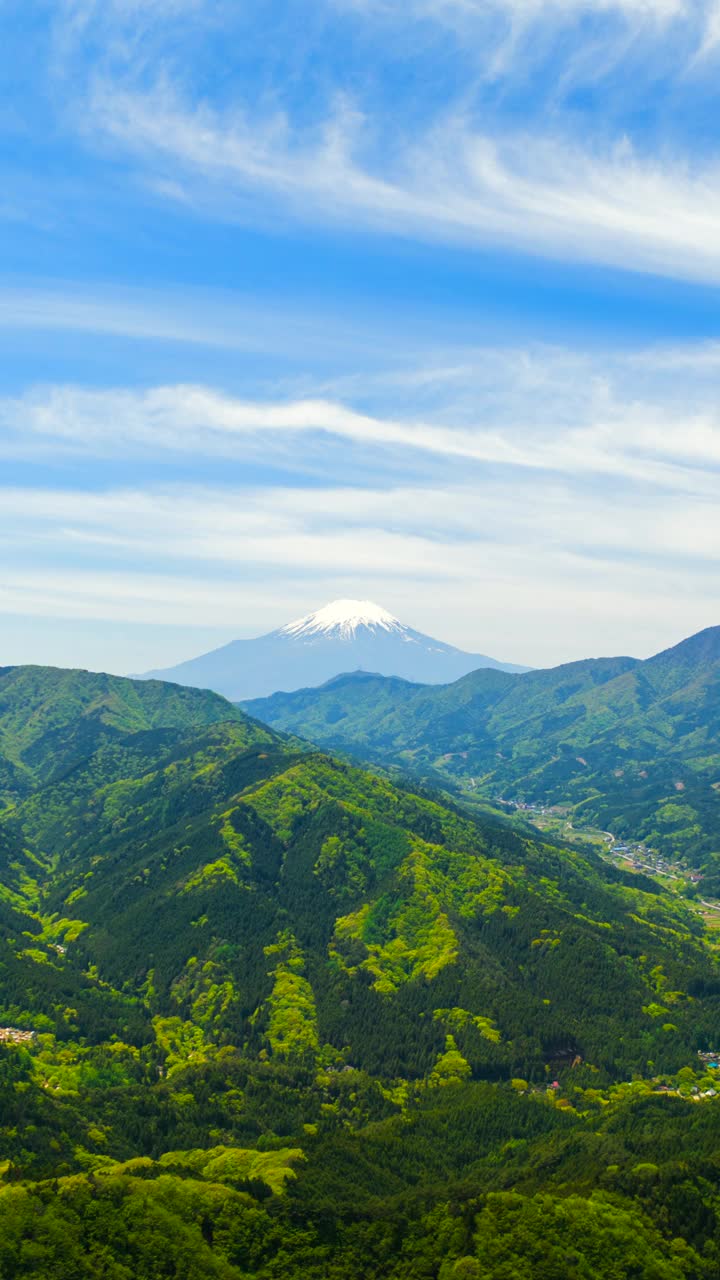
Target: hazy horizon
{"points": [[74, 637]]}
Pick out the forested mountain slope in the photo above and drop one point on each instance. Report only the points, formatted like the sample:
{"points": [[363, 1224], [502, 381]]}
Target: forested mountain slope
{"points": [[231, 843], [51, 718], [292, 1020], [634, 745]]}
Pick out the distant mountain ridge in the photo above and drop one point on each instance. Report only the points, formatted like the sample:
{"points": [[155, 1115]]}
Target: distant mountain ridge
{"points": [[345, 635], [633, 745]]}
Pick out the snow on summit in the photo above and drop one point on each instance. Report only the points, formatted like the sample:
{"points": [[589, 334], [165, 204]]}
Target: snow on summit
{"points": [[342, 618], [345, 636]]}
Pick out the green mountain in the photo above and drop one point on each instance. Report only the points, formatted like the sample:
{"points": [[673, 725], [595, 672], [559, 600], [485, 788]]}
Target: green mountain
{"points": [[268, 1015], [51, 718], [633, 746]]}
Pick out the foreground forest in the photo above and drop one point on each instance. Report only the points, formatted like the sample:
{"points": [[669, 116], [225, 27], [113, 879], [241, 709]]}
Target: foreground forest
{"points": [[268, 1015]]}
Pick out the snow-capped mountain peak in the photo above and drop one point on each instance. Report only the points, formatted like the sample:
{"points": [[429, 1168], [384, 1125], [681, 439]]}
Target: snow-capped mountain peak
{"points": [[342, 619], [343, 636]]}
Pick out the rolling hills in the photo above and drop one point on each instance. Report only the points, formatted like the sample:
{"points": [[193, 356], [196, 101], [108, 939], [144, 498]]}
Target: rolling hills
{"points": [[51, 718], [630, 745], [283, 1017], [194, 844]]}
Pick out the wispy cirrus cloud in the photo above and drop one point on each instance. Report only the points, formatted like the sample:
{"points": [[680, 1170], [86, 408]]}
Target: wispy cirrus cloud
{"points": [[172, 555], [439, 10], [534, 486], [459, 14], [188, 315], [698, 19], [457, 170], [418, 526], [510, 28], [635, 440], [546, 196]]}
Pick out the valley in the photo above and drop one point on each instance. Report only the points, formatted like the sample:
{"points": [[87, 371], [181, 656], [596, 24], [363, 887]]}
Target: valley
{"points": [[622, 745], [632, 856]]}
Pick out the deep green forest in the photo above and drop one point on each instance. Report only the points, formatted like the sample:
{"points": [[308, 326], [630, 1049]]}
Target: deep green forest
{"points": [[626, 745], [269, 1014]]}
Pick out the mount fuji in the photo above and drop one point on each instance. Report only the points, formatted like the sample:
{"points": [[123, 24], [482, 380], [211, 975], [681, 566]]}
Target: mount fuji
{"points": [[345, 636]]}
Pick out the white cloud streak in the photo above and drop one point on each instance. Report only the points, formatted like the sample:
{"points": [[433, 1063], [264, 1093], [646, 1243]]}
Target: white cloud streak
{"points": [[462, 565], [698, 18], [555, 493], [416, 524], [537, 194], [600, 533], [188, 315], [642, 442]]}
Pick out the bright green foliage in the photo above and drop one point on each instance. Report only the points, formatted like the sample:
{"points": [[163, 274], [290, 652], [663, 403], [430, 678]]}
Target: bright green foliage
{"points": [[458, 1019], [593, 1239], [283, 801], [632, 746], [182, 1042], [404, 939], [451, 1067], [211, 876], [235, 842], [341, 866], [117, 1227], [292, 1016], [302, 1023], [233, 1165], [209, 992]]}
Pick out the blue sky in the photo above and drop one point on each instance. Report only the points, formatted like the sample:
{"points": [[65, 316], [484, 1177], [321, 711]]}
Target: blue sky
{"points": [[415, 302]]}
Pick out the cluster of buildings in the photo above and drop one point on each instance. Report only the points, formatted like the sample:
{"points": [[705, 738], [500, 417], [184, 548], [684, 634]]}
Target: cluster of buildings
{"points": [[643, 859], [14, 1035], [550, 810]]}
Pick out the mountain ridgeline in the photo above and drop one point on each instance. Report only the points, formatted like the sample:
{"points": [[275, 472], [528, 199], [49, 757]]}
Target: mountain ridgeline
{"points": [[346, 635], [267, 1014], [629, 745], [51, 719]]}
